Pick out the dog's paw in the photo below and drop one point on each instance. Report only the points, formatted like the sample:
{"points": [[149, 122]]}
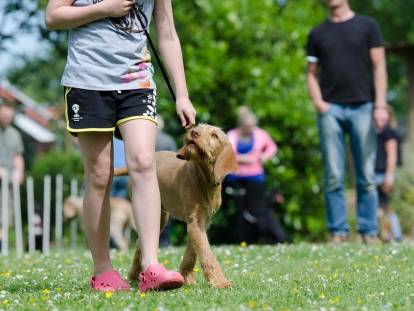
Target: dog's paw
{"points": [[222, 283], [189, 279]]}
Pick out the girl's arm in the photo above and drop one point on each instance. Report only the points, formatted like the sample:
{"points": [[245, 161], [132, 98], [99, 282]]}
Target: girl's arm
{"points": [[60, 14], [170, 50], [270, 148], [391, 148]]}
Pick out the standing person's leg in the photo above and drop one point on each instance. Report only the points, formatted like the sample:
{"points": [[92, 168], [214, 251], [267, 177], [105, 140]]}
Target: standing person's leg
{"points": [[139, 138], [96, 151], [239, 195], [331, 133], [363, 146], [256, 206]]}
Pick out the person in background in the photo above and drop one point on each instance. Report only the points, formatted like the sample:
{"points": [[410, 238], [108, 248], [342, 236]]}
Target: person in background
{"points": [[385, 166], [347, 82], [164, 142], [253, 147], [11, 152]]}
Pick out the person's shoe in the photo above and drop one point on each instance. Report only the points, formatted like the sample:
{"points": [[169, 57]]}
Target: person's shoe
{"points": [[109, 281], [338, 239], [370, 239], [156, 277]]}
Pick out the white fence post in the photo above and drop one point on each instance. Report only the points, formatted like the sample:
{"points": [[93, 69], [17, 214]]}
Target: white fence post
{"points": [[46, 213], [59, 206], [5, 214], [30, 214], [17, 218], [74, 222]]}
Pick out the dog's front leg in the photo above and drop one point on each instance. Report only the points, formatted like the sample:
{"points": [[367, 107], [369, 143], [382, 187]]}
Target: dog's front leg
{"points": [[136, 264], [188, 264], [209, 264]]}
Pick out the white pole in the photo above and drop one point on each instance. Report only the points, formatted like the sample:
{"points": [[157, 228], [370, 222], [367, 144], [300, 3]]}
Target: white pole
{"points": [[17, 218], [5, 214], [74, 222], [47, 185], [59, 206], [30, 214]]}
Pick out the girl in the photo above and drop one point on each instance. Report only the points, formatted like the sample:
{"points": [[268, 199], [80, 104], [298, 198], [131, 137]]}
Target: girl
{"points": [[109, 87]]}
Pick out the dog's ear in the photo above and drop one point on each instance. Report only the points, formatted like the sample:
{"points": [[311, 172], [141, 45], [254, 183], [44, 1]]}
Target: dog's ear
{"points": [[226, 163], [182, 153]]}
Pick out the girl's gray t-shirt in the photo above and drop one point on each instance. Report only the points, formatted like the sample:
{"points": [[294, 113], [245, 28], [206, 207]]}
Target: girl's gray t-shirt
{"points": [[104, 58]]}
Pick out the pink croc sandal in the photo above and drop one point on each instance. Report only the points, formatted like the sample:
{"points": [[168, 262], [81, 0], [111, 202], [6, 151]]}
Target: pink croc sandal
{"points": [[109, 281], [156, 277]]}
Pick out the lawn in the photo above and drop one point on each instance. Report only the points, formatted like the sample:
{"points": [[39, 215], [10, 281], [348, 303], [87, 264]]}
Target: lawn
{"points": [[297, 277]]}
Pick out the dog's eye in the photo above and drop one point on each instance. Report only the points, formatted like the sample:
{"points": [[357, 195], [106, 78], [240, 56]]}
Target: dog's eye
{"points": [[214, 135]]}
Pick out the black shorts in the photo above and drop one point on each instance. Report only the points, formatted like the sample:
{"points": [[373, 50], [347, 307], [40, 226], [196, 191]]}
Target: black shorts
{"points": [[104, 111]]}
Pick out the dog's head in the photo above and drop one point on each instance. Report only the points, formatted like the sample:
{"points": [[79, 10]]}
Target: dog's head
{"points": [[209, 146]]}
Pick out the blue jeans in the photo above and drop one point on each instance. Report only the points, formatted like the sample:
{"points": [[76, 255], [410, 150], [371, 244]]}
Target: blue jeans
{"points": [[356, 121], [120, 187]]}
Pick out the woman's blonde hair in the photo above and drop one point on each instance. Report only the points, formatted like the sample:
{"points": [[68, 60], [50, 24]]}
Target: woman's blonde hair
{"points": [[244, 114]]}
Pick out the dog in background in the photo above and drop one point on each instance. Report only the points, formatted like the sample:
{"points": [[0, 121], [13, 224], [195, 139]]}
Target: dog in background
{"points": [[190, 187], [121, 217]]}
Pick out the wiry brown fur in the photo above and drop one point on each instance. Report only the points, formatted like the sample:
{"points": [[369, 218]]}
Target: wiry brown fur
{"points": [[121, 217], [190, 186]]}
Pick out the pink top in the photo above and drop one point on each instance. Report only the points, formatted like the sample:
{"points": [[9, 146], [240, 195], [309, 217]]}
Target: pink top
{"points": [[264, 149]]}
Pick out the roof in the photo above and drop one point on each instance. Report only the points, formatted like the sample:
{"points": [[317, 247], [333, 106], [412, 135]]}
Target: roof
{"points": [[38, 132], [33, 118]]}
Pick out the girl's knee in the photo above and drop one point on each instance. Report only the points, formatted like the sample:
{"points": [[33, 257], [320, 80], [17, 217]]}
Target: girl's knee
{"points": [[99, 175], [142, 163]]}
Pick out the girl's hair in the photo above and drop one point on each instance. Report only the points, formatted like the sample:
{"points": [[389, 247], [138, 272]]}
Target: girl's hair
{"points": [[244, 114], [132, 21], [391, 117]]}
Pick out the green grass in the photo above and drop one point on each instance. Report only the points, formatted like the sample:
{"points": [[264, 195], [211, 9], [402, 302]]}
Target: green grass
{"points": [[298, 277]]}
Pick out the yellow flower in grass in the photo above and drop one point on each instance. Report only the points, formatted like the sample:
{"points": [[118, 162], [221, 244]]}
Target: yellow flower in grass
{"points": [[108, 295], [322, 296], [335, 300], [243, 244], [46, 291], [5, 302], [252, 304], [196, 270], [6, 274], [143, 295], [59, 290]]}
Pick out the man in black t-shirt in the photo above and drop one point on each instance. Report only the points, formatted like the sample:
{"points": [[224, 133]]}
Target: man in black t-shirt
{"points": [[347, 83]]}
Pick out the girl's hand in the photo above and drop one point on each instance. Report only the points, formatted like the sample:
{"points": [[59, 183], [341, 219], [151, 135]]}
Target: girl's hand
{"points": [[186, 112], [244, 159], [116, 8]]}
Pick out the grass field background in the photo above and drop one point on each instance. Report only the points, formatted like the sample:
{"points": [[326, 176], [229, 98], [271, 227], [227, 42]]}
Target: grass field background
{"points": [[296, 277]]}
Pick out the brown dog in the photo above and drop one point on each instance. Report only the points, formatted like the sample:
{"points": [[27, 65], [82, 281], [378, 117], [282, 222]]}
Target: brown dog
{"points": [[121, 217], [190, 186]]}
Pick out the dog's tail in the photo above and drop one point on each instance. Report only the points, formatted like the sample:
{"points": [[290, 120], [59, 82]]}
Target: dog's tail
{"points": [[121, 171]]}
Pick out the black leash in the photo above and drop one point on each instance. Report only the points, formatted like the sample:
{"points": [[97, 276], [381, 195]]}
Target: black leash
{"points": [[155, 52]]}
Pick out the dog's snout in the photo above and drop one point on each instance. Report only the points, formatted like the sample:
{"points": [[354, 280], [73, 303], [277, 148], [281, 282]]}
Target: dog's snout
{"points": [[195, 133]]}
